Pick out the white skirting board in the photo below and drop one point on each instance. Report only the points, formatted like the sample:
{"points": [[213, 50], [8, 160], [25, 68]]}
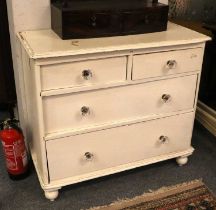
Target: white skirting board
{"points": [[207, 117]]}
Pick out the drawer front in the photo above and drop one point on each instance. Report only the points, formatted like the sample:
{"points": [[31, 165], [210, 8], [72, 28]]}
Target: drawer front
{"points": [[94, 151], [85, 24], [166, 63], [146, 20], [75, 111], [89, 72]]}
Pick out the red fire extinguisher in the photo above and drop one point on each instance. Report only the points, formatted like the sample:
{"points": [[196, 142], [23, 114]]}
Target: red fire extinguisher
{"points": [[14, 149]]}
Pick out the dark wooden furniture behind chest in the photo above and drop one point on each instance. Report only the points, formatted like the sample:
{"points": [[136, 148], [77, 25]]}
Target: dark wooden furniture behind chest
{"points": [[7, 84], [101, 18], [208, 80]]}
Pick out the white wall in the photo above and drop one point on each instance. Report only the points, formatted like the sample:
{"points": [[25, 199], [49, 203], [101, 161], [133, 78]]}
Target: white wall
{"points": [[25, 15]]}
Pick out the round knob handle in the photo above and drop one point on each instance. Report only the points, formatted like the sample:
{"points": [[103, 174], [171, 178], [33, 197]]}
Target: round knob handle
{"points": [[171, 64], [85, 110], [86, 74], [166, 97], [163, 139], [89, 156], [94, 24], [93, 19], [147, 19]]}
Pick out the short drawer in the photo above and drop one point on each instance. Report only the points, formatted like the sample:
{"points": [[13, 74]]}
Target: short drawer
{"points": [[81, 110], [90, 72], [82, 154], [166, 63], [90, 24], [146, 20]]}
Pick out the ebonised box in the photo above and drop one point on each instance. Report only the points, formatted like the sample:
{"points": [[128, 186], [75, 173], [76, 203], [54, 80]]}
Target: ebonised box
{"points": [[75, 19]]}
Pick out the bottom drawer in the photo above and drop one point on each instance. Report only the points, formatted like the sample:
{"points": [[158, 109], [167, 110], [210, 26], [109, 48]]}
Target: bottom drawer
{"points": [[103, 149]]}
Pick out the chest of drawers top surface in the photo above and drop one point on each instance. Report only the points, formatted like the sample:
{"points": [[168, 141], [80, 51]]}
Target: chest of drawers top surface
{"points": [[45, 43]]}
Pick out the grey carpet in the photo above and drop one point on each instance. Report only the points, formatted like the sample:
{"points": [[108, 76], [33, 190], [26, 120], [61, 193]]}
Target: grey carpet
{"points": [[27, 194]]}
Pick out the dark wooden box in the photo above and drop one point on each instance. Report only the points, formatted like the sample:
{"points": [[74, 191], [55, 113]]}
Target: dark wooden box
{"points": [[103, 18]]}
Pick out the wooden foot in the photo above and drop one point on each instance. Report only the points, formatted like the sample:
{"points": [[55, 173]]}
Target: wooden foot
{"points": [[51, 194], [182, 160]]}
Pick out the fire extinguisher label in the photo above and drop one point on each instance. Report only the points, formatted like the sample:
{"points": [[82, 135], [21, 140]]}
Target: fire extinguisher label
{"points": [[21, 152], [24, 159], [11, 161]]}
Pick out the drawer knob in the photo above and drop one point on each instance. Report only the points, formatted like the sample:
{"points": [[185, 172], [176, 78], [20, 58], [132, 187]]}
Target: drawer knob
{"points": [[86, 74], [85, 110], [166, 97], [163, 139], [171, 64], [93, 19], [89, 156]]}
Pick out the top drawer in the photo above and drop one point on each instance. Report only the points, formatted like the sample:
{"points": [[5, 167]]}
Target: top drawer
{"points": [[90, 72], [89, 24], [166, 63]]}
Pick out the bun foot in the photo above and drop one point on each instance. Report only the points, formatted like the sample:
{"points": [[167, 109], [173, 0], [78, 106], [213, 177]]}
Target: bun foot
{"points": [[51, 194], [182, 160]]}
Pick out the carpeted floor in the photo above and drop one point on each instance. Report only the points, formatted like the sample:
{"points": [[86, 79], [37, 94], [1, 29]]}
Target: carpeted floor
{"points": [[27, 194], [192, 195]]}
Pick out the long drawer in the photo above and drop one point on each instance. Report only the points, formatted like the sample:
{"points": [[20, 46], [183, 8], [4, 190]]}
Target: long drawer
{"points": [[81, 73], [80, 110], [166, 63], [104, 149]]}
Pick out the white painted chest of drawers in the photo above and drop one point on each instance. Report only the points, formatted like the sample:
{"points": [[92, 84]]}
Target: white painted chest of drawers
{"points": [[99, 106]]}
